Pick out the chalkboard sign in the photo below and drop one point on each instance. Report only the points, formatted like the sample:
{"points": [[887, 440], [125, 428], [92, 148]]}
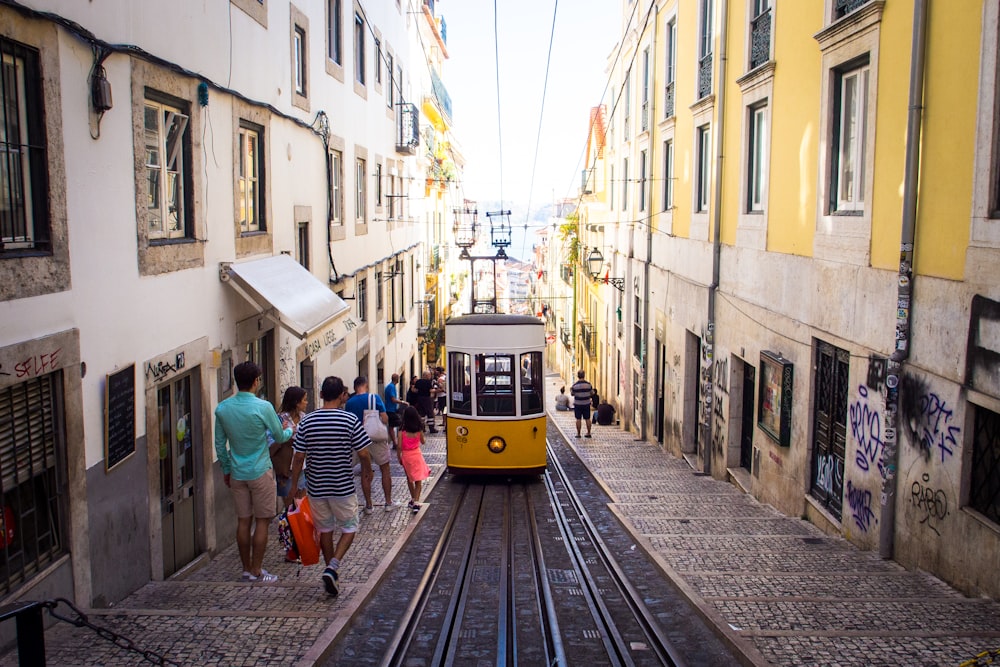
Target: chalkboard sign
{"points": [[119, 416]]}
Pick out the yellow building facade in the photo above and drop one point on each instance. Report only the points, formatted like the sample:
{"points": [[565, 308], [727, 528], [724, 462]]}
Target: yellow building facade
{"points": [[796, 250]]}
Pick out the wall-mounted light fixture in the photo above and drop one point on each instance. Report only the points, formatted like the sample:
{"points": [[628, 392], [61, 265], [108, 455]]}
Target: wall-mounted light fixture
{"points": [[595, 262]]}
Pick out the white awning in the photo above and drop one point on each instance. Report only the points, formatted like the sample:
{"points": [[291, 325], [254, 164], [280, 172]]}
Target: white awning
{"points": [[284, 290]]}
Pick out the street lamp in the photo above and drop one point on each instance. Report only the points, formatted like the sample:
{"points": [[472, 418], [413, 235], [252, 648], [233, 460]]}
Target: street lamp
{"points": [[595, 262]]}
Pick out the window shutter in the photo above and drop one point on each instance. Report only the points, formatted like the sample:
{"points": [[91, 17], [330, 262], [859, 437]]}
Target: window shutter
{"points": [[27, 430]]}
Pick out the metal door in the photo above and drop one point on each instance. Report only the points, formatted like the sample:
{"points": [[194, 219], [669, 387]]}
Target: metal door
{"points": [[830, 427], [747, 424], [179, 442], [660, 390]]}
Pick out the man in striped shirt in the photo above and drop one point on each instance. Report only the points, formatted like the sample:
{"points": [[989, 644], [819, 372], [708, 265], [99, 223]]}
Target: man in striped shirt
{"points": [[581, 391], [327, 438]]}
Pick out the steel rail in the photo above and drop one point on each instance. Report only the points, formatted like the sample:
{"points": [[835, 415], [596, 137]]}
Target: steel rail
{"points": [[447, 644], [657, 640], [547, 609]]}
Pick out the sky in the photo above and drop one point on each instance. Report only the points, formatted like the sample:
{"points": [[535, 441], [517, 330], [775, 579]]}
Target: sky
{"points": [[585, 33]]}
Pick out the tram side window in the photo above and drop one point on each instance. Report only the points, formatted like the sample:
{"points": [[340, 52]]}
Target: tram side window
{"points": [[495, 385], [531, 383], [460, 381]]}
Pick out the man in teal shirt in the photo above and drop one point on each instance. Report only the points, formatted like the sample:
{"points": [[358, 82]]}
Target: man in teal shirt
{"points": [[244, 421]]}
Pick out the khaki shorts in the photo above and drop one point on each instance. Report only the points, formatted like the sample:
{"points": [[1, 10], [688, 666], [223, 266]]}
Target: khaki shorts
{"points": [[337, 512], [255, 498], [379, 451]]}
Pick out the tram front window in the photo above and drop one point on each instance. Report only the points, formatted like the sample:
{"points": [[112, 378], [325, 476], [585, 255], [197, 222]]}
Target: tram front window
{"points": [[460, 379], [495, 385], [531, 383]]}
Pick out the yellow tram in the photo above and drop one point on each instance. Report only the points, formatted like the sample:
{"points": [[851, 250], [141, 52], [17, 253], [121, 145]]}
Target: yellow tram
{"points": [[496, 395]]}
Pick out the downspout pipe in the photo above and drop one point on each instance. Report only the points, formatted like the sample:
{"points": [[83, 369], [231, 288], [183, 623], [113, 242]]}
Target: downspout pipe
{"points": [[708, 343], [904, 294], [647, 268]]}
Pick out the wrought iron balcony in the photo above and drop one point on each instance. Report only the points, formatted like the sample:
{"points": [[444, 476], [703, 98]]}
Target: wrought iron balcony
{"points": [[566, 273], [760, 39], [566, 336], [705, 76], [668, 100], [589, 337], [844, 7], [644, 117], [407, 129]]}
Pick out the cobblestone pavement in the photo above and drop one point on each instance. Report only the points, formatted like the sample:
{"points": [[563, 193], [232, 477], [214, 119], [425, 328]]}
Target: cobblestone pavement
{"points": [[781, 591]]}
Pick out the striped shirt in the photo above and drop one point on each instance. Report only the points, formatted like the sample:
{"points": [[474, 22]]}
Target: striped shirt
{"points": [[581, 391], [328, 438]]}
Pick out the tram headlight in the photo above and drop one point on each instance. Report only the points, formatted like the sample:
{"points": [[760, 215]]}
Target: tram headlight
{"points": [[497, 444]]}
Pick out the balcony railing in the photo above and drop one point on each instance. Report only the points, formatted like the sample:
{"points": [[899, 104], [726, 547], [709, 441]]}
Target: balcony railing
{"points": [[441, 93], [844, 7], [644, 116], [760, 39], [566, 273], [408, 129], [566, 336], [705, 76], [668, 100], [589, 337]]}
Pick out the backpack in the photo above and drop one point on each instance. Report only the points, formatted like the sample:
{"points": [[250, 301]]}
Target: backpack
{"points": [[372, 422]]}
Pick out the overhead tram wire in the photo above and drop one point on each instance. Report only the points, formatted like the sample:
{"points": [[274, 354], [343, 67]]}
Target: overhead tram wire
{"points": [[538, 137], [496, 57]]}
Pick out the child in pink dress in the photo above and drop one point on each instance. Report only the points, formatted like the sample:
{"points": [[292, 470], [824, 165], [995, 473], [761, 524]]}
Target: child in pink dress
{"points": [[410, 438]]}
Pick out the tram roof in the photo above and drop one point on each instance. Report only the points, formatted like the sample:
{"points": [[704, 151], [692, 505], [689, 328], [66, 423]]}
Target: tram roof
{"points": [[494, 319]]}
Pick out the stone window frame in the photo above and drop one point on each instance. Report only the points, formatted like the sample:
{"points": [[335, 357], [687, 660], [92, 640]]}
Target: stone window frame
{"points": [[361, 217], [334, 68], [158, 256], [33, 273], [256, 242], [757, 88], [360, 63], [846, 236], [985, 227], [377, 48], [338, 229], [299, 22], [255, 9]]}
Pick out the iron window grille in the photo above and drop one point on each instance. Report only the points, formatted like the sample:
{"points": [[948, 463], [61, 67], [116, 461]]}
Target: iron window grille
{"points": [[705, 76], [24, 209], [760, 39], [844, 7], [668, 100], [408, 129], [984, 495]]}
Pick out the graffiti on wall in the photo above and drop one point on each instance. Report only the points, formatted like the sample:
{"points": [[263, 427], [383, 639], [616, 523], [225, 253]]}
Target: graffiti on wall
{"points": [[286, 368], [866, 427], [931, 422], [930, 502], [720, 372], [829, 473], [860, 502]]}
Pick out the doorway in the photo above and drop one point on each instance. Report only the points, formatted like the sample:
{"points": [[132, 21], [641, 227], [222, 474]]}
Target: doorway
{"points": [[746, 422], [660, 392], [180, 441], [830, 427]]}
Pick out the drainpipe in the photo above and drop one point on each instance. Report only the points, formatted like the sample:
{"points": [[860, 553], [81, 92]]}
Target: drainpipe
{"points": [[716, 226], [904, 294], [647, 269]]}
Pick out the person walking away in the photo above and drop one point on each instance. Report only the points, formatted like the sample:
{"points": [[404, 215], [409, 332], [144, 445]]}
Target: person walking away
{"points": [[378, 450], [582, 391], [390, 397], [324, 445], [410, 456], [293, 406], [605, 414], [242, 425], [562, 400], [425, 400]]}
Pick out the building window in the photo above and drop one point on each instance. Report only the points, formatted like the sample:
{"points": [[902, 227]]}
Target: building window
{"points": [[167, 143], [362, 299], [334, 41], [378, 185], [637, 328], [299, 49], [360, 201], [625, 184], [842, 8], [378, 292], [24, 212], [668, 175], [359, 49], [705, 50], [302, 244], [757, 158], [984, 491], [390, 95], [611, 203], [378, 62], [261, 352], [850, 107], [670, 68], [336, 188], [250, 180], [628, 105], [644, 121], [31, 434], [642, 181], [702, 174]]}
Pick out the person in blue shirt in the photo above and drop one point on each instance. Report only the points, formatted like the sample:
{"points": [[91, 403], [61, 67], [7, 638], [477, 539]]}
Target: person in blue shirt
{"points": [[242, 425], [379, 450], [392, 408]]}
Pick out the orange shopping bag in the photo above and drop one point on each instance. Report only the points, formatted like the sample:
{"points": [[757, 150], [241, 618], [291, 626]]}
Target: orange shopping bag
{"points": [[301, 523]]}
